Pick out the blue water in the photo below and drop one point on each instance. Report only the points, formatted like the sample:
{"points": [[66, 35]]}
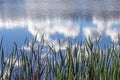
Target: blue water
{"points": [[75, 19]]}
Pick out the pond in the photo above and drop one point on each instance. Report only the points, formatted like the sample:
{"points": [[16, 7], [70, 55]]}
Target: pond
{"points": [[55, 19], [22, 56]]}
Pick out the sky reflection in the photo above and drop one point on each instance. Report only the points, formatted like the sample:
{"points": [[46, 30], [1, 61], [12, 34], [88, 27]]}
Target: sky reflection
{"points": [[69, 18]]}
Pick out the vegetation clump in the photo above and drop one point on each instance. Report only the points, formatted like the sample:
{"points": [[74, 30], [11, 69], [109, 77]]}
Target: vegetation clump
{"points": [[78, 61]]}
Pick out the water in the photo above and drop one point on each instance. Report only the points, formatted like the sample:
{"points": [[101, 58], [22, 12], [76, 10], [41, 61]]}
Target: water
{"points": [[76, 19]]}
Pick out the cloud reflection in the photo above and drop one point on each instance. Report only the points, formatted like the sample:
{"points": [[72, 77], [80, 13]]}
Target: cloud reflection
{"points": [[51, 27], [57, 16], [47, 27], [103, 28]]}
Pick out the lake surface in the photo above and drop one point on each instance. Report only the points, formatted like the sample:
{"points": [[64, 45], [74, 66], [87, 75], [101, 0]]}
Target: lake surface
{"points": [[55, 19]]}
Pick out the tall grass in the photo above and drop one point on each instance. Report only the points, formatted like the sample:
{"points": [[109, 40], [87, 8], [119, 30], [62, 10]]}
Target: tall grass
{"points": [[78, 61]]}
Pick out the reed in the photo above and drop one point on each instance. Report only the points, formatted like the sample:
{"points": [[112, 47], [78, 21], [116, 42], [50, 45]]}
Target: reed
{"points": [[78, 61]]}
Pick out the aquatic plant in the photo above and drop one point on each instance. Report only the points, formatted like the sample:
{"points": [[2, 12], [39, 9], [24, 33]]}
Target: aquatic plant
{"points": [[78, 61]]}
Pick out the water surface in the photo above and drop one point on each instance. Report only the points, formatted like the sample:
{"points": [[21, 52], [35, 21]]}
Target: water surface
{"points": [[76, 19]]}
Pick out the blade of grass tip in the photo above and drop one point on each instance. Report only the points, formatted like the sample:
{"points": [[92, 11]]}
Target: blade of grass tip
{"points": [[12, 54], [98, 39], [86, 48], [75, 58], [17, 54], [39, 61], [24, 64], [119, 39], [75, 52], [71, 65], [1, 43], [59, 42], [2, 64], [12, 63], [16, 50], [40, 47], [91, 44], [15, 46], [51, 49], [12, 67], [62, 62], [87, 41], [108, 58], [26, 40], [31, 57], [33, 42], [42, 40]]}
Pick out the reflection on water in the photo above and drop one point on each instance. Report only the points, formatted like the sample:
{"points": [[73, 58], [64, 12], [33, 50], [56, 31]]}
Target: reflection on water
{"points": [[69, 18]]}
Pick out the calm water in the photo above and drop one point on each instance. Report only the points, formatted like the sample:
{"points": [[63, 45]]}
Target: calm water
{"points": [[76, 19]]}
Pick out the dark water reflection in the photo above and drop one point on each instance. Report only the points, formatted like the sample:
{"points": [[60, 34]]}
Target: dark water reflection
{"points": [[60, 18]]}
